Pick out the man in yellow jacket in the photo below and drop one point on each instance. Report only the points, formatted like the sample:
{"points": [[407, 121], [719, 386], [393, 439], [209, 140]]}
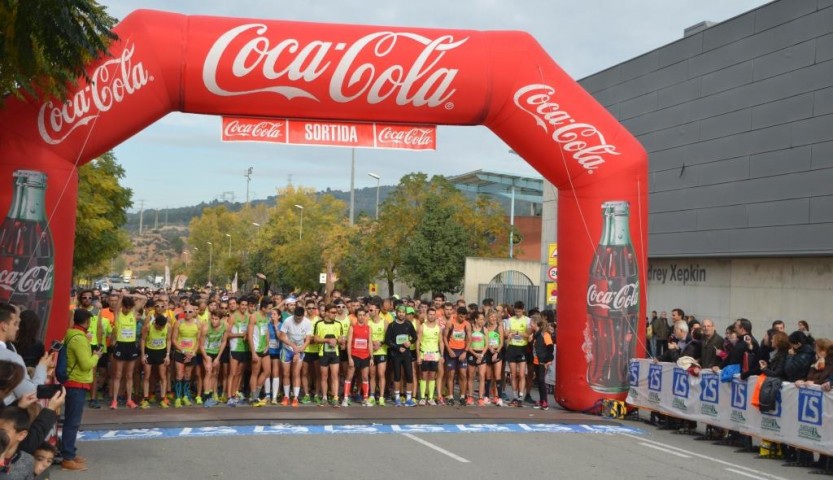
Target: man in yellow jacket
{"points": [[81, 361]]}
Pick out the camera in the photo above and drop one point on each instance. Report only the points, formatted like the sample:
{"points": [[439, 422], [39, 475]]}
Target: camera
{"points": [[47, 391]]}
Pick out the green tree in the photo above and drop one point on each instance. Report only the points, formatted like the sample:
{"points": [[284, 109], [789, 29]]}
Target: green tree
{"points": [[46, 45], [100, 214]]}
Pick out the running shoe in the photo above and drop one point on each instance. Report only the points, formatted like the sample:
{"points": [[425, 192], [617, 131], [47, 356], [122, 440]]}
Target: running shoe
{"points": [[210, 402], [322, 403], [165, 403], [114, 405], [131, 404], [469, 401], [371, 400], [410, 403], [397, 402], [441, 401], [306, 400], [334, 402], [232, 402], [223, 398], [294, 402], [178, 403], [487, 401], [345, 402], [317, 399], [94, 404], [432, 402], [145, 404], [285, 402], [537, 405], [449, 401], [519, 403], [499, 402], [186, 401], [528, 399], [198, 400], [274, 401], [481, 402], [381, 401], [422, 402], [258, 403], [545, 406]]}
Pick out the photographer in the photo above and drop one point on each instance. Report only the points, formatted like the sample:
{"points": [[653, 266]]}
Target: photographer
{"points": [[80, 365]]}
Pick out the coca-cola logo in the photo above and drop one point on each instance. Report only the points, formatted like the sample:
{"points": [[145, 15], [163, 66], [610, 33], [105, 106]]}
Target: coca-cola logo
{"points": [[624, 298], [413, 137], [583, 141], [110, 83], [286, 66], [265, 129], [35, 280]]}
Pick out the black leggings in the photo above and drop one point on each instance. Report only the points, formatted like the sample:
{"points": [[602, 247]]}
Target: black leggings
{"points": [[397, 362], [541, 373]]}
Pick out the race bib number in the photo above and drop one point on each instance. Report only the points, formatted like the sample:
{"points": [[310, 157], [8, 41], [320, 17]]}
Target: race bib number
{"points": [[401, 339], [431, 356], [494, 342], [187, 344], [330, 348], [360, 343], [273, 344], [213, 346], [157, 343], [128, 334], [458, 335]]}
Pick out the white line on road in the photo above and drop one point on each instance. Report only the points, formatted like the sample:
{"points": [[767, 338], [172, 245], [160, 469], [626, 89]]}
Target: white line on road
{"points": [[434, 447], [743, 473], [706, 457], [664, 450]]}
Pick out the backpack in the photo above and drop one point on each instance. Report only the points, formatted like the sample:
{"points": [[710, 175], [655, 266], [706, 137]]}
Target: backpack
{"points": [[61, 366], [770, 394]]}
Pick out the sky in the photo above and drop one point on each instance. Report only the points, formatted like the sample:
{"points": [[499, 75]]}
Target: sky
{"points": [[180, 160]]}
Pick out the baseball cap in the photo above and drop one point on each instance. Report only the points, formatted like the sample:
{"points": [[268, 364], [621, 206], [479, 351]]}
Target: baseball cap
{"points": [[402, 308], [410, 310]]}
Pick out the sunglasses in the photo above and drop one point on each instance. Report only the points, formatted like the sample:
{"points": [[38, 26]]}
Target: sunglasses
{"points": [[86, 298], [189, 311], [333, 311]]}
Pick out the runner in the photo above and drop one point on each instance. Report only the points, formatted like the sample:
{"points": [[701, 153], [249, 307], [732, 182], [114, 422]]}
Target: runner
{"points": [[326, 333], [429, 354], [399, 336], [239, 351], [410, 315], [494, 357], [477, 359], [126, 351], [346, 320], [214, 341], [229, 307], [309, 370], [155, 351], [359, 343], [259, 340], [296, 335], [186, 339], [517, 336], [275, 353], [457, 336], [542, 358], [380, 354]]}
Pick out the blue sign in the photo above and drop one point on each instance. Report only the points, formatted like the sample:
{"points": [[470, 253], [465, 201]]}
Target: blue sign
{"points": [[655, 377], [776, 412], [634, 374], [710, 388], [681, 384], [810, 406], [739, 395]]}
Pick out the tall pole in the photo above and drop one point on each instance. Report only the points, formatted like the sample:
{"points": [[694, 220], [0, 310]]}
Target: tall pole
{"points": [[210, 260], [248, 176], [378, 183], [301, 231], [141, 215], [352, 187], [512, 224], [229, 245]]}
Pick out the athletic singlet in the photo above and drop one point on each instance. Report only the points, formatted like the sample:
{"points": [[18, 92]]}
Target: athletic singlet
{"points": [[478, 340], [204, 317], [188, 334], [213, 339], [260, 335], [361, 341], [274, 341], [313, 347], [494, 338], [125, 327], [157, 339], [457, 335], [429, 344], [377, 334], [413, 346], [327, 330], [240, 326], [517, 331]]}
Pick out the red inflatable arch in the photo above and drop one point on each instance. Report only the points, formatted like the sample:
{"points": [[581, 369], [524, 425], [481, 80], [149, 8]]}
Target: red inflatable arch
{"points": [[168, 62]]}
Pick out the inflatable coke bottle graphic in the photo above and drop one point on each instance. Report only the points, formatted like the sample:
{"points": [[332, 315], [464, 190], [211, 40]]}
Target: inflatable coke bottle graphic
{"points": [[612, 303], [27, 261]]}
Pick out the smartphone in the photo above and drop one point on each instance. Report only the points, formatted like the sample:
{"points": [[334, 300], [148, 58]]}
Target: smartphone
{"points": [[57, 345], [47, 391]]}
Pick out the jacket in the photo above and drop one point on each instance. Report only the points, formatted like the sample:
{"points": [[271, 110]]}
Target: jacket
{"points": [[770, 394], [820, 376], [28, 385], [708, 356], [660, 328], [543, 347], [798, 365], [80, 360]]}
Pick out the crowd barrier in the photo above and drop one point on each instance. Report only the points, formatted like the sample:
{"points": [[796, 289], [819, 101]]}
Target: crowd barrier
{"points": [[803, 417]]}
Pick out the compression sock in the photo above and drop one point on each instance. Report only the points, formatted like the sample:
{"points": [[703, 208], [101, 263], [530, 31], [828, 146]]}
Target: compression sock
{"points": [[422, 389], [432, 385], [365, 389]]}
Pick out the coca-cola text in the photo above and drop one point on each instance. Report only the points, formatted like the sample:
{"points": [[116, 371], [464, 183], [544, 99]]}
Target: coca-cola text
{"points": [[410, 137], [625, 297], [34, 280], [260, 130]]}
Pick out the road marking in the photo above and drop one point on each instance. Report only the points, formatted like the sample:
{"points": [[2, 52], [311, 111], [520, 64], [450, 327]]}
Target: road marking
{"points": [[742, 473], [435, 447], [663, 450], [705, 457]]}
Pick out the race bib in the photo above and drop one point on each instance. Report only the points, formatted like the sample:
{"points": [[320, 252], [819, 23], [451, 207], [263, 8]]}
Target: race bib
{"points": [[458, 334], [330, 348], [213, 346], [187, 344], [273, 344], [128, 334], [401, 339], [494, 342], [431, 356], [157, 343], [360, 343]]}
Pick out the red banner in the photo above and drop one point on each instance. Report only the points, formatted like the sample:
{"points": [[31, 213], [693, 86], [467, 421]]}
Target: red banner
{"points": [[331, 134]]}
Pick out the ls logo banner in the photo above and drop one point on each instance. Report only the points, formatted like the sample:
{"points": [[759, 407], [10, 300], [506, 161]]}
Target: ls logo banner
{"points": [[655, 378], [710, 389], [681, 385], [810, 406]]}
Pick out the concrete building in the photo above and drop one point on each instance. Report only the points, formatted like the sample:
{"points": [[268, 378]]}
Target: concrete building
{"points": [[737, 118]]}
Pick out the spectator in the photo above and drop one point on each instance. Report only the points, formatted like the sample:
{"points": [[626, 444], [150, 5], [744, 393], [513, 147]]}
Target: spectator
{"points": [[17, 464], [44, 456], [28, 343], [820, 372], [774, 364], [712, 343], [661, 331], [80, 365], [801, 356], [677, 342], [9, 325]]}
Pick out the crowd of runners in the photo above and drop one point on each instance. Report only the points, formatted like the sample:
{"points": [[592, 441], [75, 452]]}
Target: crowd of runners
{"points": [[207, 348]]}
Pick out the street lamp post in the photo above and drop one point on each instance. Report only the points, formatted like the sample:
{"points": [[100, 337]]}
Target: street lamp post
{"points": [[229, 244], [301, 231], [378, 183], [210, 260]]}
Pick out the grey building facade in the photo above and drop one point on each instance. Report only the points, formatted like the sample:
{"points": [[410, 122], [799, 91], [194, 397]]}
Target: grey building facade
{"points": [[737, 119]]}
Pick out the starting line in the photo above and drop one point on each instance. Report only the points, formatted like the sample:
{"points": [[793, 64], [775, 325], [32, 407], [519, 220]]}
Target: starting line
{"points": [[368, 429]]}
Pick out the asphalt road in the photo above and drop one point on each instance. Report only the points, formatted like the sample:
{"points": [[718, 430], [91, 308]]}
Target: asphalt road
{"points": [[651, 454]]}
